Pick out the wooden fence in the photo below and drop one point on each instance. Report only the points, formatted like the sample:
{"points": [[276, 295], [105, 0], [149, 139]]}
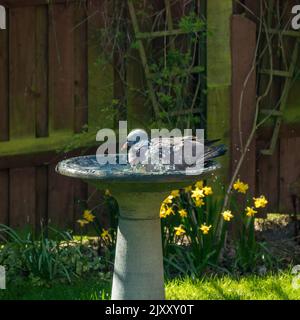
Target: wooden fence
{"points": [[51, 85], [271, 175], [48, 76]]}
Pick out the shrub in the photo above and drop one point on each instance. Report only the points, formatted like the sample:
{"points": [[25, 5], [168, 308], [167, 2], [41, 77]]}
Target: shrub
{"points": [[42, 259]]}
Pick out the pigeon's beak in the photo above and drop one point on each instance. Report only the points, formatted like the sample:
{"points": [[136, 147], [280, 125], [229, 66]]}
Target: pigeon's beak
{"points": [[124, 147]]}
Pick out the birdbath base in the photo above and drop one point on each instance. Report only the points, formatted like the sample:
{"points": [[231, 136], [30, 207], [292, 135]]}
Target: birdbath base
{"points": [[138, 268]]}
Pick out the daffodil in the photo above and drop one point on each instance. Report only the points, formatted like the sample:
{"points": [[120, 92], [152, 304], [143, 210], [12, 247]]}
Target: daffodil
{"points": [[175, 193], [169, 211], [260, 202], [227, 215], [162, 212], [165, 211], [199, 203], [240, 187], [207, 191], [82, 222], [105, 235], [205, 229], [199, 184], [198, 194], [87, 215], [250, 212], [179, 231], [107, 193], [188, 189], [183, 213], [168, 200]]}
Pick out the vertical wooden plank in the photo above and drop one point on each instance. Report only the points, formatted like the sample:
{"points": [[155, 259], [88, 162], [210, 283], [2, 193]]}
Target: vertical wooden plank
{"points": [[60, 199], [41, 61], [289, 170], [22, 104], [4, 197], [81, 68], [22, 72], [289, 146], [139, 111], [4, 118], [268, 176], [41, 197], [243, 44], [101, 79], [22, 197], [119, 89], [61, 67], [292, 111], [219, 75], [4, 121]]}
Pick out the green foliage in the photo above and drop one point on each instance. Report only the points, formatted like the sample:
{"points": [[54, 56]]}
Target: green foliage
{"points": [[172, 75], [196, 240], [175, 72], [250, 254], [191, 23], [43, 259], [195, 249], [194, 233]]}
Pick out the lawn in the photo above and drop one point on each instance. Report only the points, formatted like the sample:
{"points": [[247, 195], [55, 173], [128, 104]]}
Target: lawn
{"points": [[270, 287]]}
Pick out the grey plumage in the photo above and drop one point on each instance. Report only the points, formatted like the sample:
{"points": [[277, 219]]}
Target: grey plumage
{"points": [[177, 153]]}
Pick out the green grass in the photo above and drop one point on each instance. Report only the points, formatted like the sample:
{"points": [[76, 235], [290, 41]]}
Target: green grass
{"points": [[270, 287], [91, 289]]}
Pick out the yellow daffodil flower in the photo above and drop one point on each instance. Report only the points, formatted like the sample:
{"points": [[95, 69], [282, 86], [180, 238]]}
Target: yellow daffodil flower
{"points": [[107, 193], [199, 203], [183, 213], [198, 194], [175, 193], [207, 191], [87, 215], [188, 189], [105, 235], [169, 211], [260, 202], [168, 200], [227, 215], [82, 222], [205, 229], [179, 231], [162, 212], [250, 212], [199, 184], [240, 187]]}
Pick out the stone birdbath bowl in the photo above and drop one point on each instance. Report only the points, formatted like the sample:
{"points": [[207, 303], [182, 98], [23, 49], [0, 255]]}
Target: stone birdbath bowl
{"points": [[138, 267]]}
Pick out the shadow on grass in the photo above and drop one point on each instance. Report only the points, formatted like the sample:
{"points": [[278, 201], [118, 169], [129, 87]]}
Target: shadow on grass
{"points": [[280, 292], [225, 295], [92, 289]]}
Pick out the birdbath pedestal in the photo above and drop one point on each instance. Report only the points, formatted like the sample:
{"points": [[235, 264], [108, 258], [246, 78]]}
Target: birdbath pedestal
{"points": [[138, 268]]}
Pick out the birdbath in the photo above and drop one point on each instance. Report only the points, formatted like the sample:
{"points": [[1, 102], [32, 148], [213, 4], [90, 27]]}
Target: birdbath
{"points": [[138, 268]]}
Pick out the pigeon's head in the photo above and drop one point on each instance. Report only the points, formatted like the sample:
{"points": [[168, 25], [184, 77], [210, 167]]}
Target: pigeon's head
{"points": [[134, 137]]}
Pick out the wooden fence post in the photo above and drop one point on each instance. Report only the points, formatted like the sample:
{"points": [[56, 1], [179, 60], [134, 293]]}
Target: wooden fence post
{"points": [[219, 75]]}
